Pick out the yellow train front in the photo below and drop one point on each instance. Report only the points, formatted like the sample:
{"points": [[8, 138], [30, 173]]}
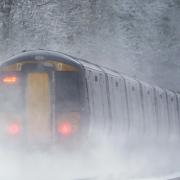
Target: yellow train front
{"points": [[41, 99]]}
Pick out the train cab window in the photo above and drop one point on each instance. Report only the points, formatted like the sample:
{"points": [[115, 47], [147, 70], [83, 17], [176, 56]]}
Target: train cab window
{"points": [[67, 92]]}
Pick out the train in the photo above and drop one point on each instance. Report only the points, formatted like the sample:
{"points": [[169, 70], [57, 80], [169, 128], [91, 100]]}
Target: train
{"points": [[51, 97]]}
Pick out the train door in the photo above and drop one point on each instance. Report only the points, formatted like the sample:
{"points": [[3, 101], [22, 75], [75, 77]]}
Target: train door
{"points": [[38, 107], [135, 107], [97, 101], [162, 113], [149, 107], [173, 114], [118, 103]]}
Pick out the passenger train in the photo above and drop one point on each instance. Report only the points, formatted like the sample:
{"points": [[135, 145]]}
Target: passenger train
{"points": [[47, 96]]}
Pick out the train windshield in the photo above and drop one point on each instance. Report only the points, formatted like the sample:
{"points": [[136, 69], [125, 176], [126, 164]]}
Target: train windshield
{"points": [[67, 92], [11, 94]]}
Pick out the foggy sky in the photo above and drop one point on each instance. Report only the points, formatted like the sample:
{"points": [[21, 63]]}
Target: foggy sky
{"points": [[137, 37]]}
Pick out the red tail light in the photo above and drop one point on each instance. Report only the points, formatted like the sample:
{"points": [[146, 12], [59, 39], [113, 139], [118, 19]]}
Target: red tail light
{"points": [[13, 129], [65, 128], [9, 79]]}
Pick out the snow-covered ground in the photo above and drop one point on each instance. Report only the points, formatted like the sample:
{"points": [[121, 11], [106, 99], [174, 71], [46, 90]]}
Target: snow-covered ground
{"points": [[100, 161]]}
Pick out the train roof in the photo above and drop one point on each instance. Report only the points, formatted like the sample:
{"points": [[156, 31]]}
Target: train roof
{"points": [[42, 55], [79, 63]]}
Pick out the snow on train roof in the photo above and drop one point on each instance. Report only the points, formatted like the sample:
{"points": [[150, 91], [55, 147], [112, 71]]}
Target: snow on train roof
{"points": [[42, 55], [134, 80], [111, 72], [89, 65], [170, 93]]}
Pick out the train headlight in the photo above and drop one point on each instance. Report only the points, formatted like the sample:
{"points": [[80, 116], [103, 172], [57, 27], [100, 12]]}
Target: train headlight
{"points": [[13, 128], [65, 128], [68, 124], [9, 80]]}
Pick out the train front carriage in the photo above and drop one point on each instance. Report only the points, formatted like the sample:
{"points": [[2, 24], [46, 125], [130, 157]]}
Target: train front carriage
{"points": [[41, 98]]}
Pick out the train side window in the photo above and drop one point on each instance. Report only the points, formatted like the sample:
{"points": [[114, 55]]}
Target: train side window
{"points": [[117, 84], [96, 78]]}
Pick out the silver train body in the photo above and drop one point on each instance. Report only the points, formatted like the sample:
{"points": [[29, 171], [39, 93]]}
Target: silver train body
{"points": [[109, 104]]}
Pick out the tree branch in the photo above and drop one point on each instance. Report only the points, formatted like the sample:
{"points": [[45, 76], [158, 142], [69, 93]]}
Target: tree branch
{"points": [[45, 3]]}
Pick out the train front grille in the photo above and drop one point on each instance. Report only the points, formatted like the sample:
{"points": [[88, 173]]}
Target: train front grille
{"points": [[38, 107]]}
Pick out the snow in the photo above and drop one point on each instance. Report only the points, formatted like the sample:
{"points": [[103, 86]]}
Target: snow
{"points": [[139, 38]]}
